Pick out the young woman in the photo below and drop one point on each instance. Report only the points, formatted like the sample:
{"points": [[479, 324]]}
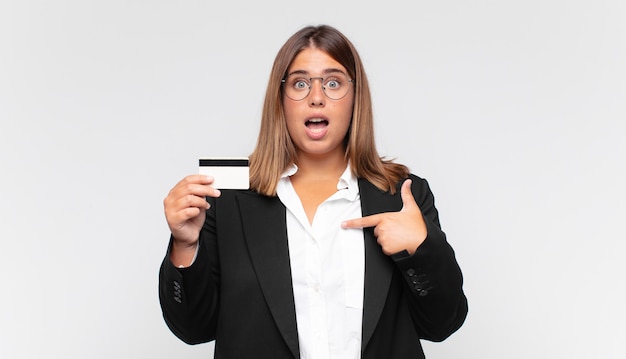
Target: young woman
{"points": [[334, 252]]}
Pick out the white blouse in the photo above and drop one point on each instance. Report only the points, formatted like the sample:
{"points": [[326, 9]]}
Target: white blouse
{"points": [[327, 269]]}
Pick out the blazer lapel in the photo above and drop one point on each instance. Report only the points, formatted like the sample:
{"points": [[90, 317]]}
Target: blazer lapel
{"points": [[266, 235], [378, 267]]}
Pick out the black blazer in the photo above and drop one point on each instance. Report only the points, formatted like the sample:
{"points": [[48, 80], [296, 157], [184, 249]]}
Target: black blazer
{"points": [[238, 291]]}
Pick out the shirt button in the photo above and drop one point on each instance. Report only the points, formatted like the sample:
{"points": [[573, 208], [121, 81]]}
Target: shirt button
{"points": [[316, 287]]}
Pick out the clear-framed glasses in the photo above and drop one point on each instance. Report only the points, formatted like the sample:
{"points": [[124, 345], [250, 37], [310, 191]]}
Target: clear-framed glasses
{"points": [[335, 86]]}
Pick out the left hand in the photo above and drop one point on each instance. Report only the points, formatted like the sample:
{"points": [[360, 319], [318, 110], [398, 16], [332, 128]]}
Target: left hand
{"points": [[396, 231]]}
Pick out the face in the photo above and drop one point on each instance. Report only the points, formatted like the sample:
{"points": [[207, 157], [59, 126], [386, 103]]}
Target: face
{"points": [[318, 124]]}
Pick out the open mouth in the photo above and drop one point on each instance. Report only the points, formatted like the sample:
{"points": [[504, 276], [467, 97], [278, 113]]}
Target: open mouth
{"points": [[316, 128], [316, 123]]}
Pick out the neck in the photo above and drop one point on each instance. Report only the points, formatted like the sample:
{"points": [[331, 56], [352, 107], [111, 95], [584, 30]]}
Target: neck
{"points": [[331, 165]]}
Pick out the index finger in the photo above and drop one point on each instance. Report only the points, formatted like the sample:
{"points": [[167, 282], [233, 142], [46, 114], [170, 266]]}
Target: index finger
{"points": [[198, 179], [196, 184], [363, 222]]}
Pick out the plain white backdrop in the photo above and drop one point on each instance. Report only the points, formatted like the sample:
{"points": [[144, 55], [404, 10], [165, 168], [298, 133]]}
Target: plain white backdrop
{"points": [[515, 111]]}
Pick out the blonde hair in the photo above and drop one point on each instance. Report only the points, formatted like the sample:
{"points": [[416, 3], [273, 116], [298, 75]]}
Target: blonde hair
{"points": [[275, 150]]}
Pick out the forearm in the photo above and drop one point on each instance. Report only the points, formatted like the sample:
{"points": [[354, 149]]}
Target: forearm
{"points": [[434, 284], [189, 296]]}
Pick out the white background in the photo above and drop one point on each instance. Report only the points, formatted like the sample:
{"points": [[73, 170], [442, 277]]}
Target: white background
{"points": [[515, 111]]}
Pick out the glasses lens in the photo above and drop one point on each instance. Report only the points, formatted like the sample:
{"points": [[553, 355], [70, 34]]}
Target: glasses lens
{"points": [[335, 86]]}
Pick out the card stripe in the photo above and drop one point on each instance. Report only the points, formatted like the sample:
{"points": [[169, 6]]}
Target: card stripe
{"points": [[213, 162]]}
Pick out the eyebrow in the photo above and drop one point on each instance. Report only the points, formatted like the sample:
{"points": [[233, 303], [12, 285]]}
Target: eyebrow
{"points": [[325, 72]]}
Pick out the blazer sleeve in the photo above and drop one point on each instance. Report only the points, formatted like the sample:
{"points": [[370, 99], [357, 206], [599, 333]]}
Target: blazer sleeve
{"points": [[433, 278], [189, 296]]}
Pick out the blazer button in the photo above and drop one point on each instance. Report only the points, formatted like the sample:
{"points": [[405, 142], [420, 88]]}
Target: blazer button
{"points": [[410, 272], [178, 293], [420, 290]]}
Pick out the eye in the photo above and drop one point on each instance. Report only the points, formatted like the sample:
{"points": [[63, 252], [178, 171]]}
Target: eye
{"points": [[332, 84], [300, 84]]}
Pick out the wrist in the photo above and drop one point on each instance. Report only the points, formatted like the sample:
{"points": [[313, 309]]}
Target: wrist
{"points": [[183, 254]]}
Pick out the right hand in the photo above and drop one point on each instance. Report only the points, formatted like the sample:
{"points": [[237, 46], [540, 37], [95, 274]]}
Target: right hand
{"points": [[185, 208]]}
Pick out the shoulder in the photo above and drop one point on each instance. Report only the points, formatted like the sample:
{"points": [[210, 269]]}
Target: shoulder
{"points": [[415, 178], [418, 182]]}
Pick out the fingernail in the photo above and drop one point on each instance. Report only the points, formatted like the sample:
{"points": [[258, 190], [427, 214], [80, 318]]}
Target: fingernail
{"points": [[217, 192]]}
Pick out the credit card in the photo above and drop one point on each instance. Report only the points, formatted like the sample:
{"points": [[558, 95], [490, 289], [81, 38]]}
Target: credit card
{"points": [[228, 172]]}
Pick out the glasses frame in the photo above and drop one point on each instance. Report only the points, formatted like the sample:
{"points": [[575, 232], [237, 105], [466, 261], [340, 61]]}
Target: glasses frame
{"points": [[284, 81]]}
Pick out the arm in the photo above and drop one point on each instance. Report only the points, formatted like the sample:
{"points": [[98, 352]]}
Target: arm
{"points": [[433, 278], [189, 295], [429, 276]]}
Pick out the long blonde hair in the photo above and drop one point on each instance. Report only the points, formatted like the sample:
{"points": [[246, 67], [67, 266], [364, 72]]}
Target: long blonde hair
{"points": [[275, 150]]}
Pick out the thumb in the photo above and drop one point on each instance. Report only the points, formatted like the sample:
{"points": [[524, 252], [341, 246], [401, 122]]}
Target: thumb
{"points": [[408, 201]]}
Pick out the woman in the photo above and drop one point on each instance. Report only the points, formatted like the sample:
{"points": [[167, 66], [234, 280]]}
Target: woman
{"points": [[334, 252]]}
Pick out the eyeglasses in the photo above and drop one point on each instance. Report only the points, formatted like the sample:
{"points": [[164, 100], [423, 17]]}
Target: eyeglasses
{"points": [[335, 86]]}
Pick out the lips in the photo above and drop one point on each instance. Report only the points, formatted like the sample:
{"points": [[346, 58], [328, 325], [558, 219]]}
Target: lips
{"points": [[316, 128]]}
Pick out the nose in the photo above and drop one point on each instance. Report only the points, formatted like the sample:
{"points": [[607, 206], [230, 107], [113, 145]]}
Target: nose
{"points": [[316, 93]]}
